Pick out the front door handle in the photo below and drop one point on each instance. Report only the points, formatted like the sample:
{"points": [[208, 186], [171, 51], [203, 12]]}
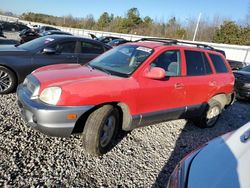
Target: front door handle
{"points": [[71, 56], [179, 86], [212, 83]]}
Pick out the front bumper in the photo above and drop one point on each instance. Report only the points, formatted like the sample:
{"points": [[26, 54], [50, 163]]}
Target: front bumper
{"points": [[48, 119]]}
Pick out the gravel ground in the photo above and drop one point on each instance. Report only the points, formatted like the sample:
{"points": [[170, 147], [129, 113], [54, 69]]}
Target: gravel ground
{"points": [[143, 158]]}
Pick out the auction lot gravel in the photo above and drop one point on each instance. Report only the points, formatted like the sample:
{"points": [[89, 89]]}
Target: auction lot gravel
{"points": [[143, 158]]}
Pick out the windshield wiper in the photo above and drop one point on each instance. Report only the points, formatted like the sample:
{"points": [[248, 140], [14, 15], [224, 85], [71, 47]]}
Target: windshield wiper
{"points": [[99, 68]]}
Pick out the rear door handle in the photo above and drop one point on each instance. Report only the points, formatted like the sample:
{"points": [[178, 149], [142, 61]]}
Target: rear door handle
{"points": [[179, 86]]}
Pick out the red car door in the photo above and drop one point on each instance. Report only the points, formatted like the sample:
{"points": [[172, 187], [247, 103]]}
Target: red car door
{"points": [[200, 80], [162, 99]]}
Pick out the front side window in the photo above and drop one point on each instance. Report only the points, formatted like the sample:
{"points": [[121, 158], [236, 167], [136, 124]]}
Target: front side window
{"points": [[218, 63], [64, 47], [123, 60], [91, 48], [197, 63], [169, 61]]}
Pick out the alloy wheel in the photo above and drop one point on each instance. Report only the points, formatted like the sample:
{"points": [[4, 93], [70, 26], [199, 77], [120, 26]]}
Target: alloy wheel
{"points": [[5, 81]]}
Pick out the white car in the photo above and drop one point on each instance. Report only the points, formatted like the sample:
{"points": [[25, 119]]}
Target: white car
{"points": [[223, 162]]}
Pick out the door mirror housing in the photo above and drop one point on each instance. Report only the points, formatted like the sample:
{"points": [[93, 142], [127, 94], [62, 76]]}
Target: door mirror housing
{"points": [[156, 73], [49, 51]]}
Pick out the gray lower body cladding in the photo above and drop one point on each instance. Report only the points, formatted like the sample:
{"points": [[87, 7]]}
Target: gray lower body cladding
{"points": [[48, 119]]}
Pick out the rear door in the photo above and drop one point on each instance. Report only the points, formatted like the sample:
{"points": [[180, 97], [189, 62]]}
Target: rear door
{"points": [[224, 78], [200, 80]]}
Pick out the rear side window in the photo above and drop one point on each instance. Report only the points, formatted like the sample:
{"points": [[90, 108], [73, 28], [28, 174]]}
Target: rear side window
{"points": [[219, 64], [197, 63], [91, 48]]}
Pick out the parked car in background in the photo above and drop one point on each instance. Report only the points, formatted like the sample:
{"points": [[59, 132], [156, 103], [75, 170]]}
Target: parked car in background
{"points": [[16, 62], [46, 28], [235, 65], [104, 39], [222, 162], [28, 35], [130, 86], [54, 32], [117, 42], [242, 83], [1, 31], [13, 26]]}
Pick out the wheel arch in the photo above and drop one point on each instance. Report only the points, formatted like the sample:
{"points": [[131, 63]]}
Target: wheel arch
{"points": [[124, 114], [224, 99]]}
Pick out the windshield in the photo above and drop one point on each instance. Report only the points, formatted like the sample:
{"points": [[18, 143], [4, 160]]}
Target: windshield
{"points": [[123, 60], [247, 69], [36, 43]]}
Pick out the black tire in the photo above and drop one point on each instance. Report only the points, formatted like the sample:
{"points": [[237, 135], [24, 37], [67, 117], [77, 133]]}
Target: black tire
{"points": [[94, 134], [8, 81], [206, 121]]}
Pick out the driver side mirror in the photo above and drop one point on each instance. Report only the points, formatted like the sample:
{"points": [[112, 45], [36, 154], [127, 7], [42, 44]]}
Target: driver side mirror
{"points": [[49, 51], [156, 73]]}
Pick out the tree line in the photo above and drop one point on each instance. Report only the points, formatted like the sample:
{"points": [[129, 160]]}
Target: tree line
{"points": [[218, 30]]}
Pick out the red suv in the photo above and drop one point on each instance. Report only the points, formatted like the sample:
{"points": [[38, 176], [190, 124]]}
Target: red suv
{"points": [[133, 85]]}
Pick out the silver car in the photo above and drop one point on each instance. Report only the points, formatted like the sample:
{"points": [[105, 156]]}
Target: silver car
{"points": [[223, 162]]}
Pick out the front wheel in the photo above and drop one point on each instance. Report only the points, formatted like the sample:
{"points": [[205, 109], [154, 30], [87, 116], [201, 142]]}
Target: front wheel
{"points": [[7, 80], [100, 129], [211, 115]]}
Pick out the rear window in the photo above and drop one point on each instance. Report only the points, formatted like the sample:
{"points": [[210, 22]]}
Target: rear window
{"points": [[197, 63], [218, 63]]}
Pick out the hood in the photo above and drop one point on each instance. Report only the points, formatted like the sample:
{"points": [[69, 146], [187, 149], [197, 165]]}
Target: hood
{"points": [[65, 73], [82, 85], [224, 162]]}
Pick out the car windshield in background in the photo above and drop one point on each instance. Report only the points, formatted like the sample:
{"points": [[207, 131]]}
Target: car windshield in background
{"points": [[36, 43], [123, 60], [247, 69]]}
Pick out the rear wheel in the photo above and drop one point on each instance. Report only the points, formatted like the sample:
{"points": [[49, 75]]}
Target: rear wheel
{"points": [[210, 117], [100, 129], [7, 80]]}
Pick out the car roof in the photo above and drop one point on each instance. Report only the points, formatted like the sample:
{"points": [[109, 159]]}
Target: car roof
{"points": [[55, 36], [159, 42], [65, 36]]}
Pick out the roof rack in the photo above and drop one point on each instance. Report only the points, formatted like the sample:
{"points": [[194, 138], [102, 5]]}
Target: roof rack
{"points": [[198, 45], [163, 40], [169, 41]]}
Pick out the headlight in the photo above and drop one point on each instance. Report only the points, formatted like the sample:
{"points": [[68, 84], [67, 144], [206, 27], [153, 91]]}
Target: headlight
{"points": [[51, 95]]}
